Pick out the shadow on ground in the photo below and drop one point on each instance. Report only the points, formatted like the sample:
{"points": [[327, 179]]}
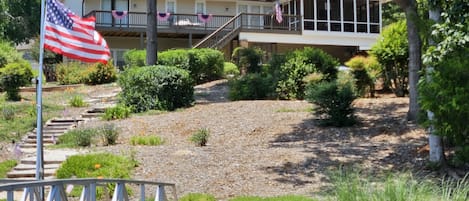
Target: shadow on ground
{"points": [[212, 92], [383, 140]]}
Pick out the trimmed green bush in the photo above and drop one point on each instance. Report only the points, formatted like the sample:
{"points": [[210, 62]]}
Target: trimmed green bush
{"points": [[135, 58], [117, 112], [203, 64], [200, 137], [100, 74], [70, 73], [197, 197], [252, 87], [150, 140], [13, 76], [230, 69], [156, 88], [334, 103], [248, 59], [365, 71], [292, 69]]}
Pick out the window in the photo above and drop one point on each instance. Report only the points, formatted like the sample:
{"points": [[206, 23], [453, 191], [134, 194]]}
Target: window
{"points": [[171, 6], [199, 7]]}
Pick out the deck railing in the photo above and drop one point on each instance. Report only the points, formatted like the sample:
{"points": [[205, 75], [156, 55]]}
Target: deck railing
{"points": [[57, 189]]}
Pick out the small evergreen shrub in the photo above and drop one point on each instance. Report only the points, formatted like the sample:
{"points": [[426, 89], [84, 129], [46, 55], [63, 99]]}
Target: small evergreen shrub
{"points": [[334, 103], [200, 137], [116, 112], [197, 197], [156, 88], [77, 101], [78, 137], [151, 140], [248, 59], [13, 76], [70, 73], [8, 112], [135, 58], [109, 134], [252, 87], [230, 69], [8, 53], [100, 74]]}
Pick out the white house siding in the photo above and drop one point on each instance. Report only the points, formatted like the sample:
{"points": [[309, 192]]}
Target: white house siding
{"points": [[221, 8], [74, 5]]}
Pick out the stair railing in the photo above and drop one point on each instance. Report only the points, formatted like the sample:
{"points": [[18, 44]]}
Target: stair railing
{"points": [[223, 34], [58, 189]]}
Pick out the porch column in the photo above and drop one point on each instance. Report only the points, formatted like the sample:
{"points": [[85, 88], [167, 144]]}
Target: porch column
{"points": [[302, 13], [355, 16], [380, 16], [341, 15], [368, 16], [328, 8], [315, 15]]}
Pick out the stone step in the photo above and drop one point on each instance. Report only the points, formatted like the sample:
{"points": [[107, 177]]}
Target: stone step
{"points": [[44, 136], [30, 146], [50, 132], [61, 123], [44, 140], [33, 166], [63, 120], [53, 127], [29, 173]]}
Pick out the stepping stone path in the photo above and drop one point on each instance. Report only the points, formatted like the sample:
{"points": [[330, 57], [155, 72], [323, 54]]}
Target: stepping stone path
{"points": [[26, 169]]}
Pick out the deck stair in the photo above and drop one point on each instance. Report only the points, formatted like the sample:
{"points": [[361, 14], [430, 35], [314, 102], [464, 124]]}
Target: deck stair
{"points": [[223, 35]]}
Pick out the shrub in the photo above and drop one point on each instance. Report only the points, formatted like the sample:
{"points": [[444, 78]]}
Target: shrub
{"points": [[151, 140], [197, 197], [8, 53], [156, 88], [8, 112], [334, 103], [70, 73], [78, 137], [13, 76], [392, 51], [97, 165], [200, 137], [446, 95], [109, 134], [116, 112], [248, 59], [279, 198], [252, 87], [292, 70], [203, 64], [135, 58], [365, 71], [100, 73], [230, 69], [77, 101], [6, 166]]}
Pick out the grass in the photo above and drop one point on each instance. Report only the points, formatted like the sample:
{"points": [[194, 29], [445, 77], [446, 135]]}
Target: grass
{"points": [[150, 140], [24, 112], [279, 198], [308, 109], [197, 197], [6, 166]]}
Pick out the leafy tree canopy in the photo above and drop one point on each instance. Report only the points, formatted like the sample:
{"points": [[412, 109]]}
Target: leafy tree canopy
{"points": [[19, 20]]}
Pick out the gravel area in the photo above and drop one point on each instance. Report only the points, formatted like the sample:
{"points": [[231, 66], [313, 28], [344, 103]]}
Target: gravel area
{"points": [[267, 148]]}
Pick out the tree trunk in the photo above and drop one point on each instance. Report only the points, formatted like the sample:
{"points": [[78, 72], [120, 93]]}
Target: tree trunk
{"points": [[415, 54], [436, 154], [151, 33]]}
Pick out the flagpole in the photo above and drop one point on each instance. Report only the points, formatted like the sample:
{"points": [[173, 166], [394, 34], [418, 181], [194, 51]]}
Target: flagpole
{"points": [[39, 148]]}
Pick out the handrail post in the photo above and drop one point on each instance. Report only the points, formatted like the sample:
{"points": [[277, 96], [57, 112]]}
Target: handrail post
{"points": [[142, 192], [10, 195], [160, 195]]}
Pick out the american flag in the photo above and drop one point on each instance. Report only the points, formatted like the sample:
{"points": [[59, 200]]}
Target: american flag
{"points": [[72, 36], [278, 12]]}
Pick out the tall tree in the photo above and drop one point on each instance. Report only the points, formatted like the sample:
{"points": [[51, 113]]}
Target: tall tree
{"points": [[151, 33], [415, 54], [19, 20]]}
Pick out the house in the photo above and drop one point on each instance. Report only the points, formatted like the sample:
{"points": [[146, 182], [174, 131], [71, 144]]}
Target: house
{"points": [[340, 27]]}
